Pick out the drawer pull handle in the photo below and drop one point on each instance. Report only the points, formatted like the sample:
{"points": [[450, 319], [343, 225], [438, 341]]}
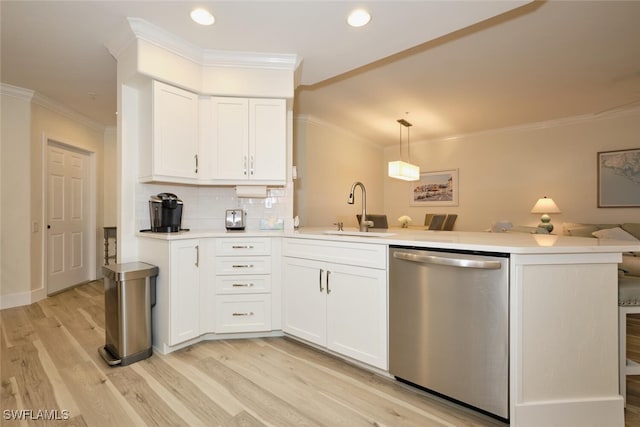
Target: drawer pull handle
{"points": [[243, 314], [242, 247], [243, 265], [242, 285], [320, 280]]}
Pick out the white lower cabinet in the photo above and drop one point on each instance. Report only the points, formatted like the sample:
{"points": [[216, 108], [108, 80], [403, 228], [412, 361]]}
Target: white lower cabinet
{"points": [[211, 286], [338, 306], [243, 285], [243, 313], [176, 317], [184, 294]]}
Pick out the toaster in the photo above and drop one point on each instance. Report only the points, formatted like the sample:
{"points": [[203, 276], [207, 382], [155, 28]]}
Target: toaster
{"points": [[234, 219]]}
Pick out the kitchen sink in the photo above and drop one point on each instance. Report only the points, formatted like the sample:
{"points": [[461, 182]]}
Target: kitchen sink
{"points": [[359, 233]]}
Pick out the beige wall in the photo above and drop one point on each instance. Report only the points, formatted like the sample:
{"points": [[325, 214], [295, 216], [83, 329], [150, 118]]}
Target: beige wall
{"points": [[50, 125], [502, 173], [15, 271], [329, 161], [27, 122]]}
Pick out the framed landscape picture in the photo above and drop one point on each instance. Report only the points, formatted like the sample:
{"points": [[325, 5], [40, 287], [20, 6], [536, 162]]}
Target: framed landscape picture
{"points": [[619, 179], [435, 189]]}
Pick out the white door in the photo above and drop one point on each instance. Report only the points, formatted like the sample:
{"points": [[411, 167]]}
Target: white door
{"points": [[68, 249]]}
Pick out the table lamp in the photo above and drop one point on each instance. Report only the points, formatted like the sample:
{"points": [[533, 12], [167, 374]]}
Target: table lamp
{"points": [[545, 206]]}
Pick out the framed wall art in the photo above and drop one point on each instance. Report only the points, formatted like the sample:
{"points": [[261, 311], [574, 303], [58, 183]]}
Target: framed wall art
{"points": [[435, 189], [619, 179]]}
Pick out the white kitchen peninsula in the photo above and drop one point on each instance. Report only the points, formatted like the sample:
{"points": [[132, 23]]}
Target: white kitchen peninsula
{"points": [[563, 315]]}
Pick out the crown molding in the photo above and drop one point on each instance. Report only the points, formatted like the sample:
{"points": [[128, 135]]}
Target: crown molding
{"points": [[272, 61], [310, 119], [139, 29], [51, 105], [565, 121], [16, 92], [58, 108]]}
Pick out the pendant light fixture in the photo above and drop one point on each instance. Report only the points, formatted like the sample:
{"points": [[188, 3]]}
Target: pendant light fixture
{"points": [[400, 169]]}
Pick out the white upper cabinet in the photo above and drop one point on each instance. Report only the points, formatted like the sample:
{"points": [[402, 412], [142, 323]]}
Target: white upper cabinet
{"points": [[170, 152], [267, 140], [190, 139], [244, 140], [229, 141]]}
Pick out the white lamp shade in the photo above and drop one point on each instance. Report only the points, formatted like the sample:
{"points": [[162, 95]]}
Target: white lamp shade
{"points": [[404, 171], [545, 205]]}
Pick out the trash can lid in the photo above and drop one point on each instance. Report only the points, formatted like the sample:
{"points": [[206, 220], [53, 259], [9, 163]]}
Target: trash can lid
{"points": [[129, 271]]}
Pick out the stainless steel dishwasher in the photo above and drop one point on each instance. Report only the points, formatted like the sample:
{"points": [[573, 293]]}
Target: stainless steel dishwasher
{"points": [[449, 324]]}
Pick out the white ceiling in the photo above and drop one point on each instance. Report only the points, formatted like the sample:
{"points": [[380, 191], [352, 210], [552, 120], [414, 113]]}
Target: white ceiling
{"points": [[538, 62]]}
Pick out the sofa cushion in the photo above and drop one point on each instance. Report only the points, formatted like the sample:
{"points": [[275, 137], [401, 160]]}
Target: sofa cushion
{"points": [[584, 230], [630, 265], [615, 233], [632, 228]]}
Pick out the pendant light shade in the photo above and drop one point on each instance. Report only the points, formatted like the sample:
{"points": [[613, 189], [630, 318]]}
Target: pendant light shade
{"points": [[404, 171], [400, 169]]}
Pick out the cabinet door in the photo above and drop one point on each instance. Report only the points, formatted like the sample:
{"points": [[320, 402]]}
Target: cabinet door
{"points": [[230, 138], [184, 315], [267, 139], [357, 313], [304, 311], [175, 132]]}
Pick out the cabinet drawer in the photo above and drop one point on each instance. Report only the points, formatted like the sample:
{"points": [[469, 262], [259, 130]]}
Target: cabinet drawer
{"points": [[243, 246], [244, 284], [243, 265], [349, 253], [243, 313]]}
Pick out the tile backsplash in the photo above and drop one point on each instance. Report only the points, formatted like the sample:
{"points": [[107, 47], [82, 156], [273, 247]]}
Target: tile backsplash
{"points": [[204, 207]]}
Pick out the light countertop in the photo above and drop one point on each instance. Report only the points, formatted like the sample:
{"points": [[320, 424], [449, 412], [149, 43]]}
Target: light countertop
{"points": [[515, 243]]}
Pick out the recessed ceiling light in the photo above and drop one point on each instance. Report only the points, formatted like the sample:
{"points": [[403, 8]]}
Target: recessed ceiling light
{"points": [[202, 17], [358, 18]]}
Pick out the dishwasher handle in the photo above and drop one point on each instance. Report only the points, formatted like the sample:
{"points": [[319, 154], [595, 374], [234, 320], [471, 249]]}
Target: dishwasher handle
{"points": [[451, 262]]}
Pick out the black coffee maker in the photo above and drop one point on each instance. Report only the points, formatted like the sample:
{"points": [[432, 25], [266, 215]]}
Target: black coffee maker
{"points": [[165, 212]]}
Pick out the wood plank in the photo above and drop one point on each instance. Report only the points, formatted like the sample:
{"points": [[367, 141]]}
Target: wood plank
{"points": [[181, 392], [279, 376], [61, 392], [17, 328], [425, 403], [30, 387], [347, 396], [98, 399], [243, 419], [151, 408], [183, 364], [271, 409]]}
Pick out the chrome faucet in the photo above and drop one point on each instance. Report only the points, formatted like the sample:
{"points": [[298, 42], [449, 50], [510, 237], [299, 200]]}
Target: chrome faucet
{"points": [[364, 224]]}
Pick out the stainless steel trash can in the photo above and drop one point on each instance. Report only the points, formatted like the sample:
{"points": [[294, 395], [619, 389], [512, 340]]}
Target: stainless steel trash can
{"points": [[129, 294]]}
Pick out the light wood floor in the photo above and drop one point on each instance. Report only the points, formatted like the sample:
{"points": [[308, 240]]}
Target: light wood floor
{"points": [[49, 361]]}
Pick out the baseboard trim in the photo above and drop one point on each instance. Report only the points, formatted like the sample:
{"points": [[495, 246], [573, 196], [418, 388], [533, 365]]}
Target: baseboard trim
{"points": [[19, 299], [596, 411]]}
